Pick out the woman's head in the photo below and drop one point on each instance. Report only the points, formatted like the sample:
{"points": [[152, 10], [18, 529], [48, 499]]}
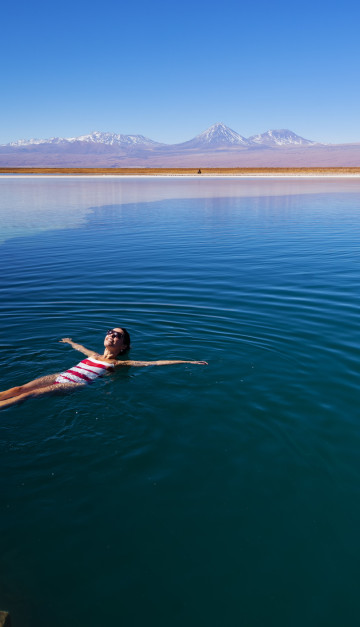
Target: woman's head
{"points": [[117, 339]]}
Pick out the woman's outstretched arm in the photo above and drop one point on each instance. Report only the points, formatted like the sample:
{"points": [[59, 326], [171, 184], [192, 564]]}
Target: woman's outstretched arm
{"points": [[77, 347], [160, 362]]}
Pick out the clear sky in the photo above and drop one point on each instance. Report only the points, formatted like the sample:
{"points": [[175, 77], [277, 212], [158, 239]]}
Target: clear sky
{"points": [[169, 70]]}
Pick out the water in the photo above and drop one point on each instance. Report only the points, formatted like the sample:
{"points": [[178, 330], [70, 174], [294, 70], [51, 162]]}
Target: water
{"points": [[182, 495]]}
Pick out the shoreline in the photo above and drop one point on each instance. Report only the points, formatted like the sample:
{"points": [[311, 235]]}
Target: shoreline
{"points": [[186, 172]]}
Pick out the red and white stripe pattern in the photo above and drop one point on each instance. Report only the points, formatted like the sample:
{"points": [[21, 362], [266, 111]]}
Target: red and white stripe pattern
{"points": [[85, 372]]}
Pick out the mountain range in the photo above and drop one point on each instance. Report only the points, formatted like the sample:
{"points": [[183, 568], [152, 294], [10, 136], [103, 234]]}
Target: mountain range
{"points": [[217, 146]]}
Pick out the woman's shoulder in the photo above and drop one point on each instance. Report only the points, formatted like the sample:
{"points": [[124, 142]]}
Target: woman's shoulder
{"points": [[103, 359]]}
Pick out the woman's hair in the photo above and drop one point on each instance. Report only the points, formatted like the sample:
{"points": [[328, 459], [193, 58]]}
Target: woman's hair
{"points": [[126, 340]]}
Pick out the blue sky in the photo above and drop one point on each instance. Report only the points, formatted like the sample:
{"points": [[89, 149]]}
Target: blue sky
{"points": [[168, 71]]}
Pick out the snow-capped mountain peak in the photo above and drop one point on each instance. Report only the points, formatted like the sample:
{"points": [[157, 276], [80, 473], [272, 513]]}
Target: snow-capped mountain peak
{"points": [[112, 139], [96, 137], [36, 142], [280, 137], [220, 134], [216, 136]]}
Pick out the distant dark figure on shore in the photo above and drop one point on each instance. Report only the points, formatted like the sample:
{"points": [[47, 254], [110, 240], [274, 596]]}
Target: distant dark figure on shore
{"points": [[199, 171], [117, 341]]}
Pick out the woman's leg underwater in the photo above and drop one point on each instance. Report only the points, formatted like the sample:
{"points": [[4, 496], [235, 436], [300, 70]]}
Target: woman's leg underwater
{"points": [[31, 385], [40, 391]]}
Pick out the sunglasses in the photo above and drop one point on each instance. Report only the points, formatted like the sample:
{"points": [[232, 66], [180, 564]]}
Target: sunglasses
{"points": [[116, 334]]}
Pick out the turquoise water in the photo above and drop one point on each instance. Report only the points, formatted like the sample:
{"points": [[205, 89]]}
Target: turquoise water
{"points": [[184, 495]]}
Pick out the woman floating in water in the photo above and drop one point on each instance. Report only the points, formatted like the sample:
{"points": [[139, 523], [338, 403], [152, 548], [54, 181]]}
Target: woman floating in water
{"points": [[116, 342]]}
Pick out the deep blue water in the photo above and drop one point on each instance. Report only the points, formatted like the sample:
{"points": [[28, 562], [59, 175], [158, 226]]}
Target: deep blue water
{"points": [[183, 495]]}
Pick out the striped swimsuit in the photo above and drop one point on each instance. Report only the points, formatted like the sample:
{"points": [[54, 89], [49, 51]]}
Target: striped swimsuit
{"points": [[85, 372]]}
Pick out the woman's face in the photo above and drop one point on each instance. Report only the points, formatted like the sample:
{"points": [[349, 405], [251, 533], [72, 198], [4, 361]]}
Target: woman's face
{"points": [[115, 339]]}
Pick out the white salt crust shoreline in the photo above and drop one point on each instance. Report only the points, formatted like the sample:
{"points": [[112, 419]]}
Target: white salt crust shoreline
{"points": [[190, 176]]}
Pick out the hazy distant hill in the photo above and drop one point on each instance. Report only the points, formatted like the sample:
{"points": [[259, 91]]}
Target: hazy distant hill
{"points": [[218, 146]]}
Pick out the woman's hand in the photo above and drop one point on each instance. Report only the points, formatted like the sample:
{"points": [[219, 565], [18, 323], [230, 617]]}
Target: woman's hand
{"points": [[66, 340]]}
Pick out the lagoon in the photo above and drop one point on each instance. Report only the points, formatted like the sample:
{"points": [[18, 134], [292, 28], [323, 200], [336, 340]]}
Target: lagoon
{"points": [[187, 495]]}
